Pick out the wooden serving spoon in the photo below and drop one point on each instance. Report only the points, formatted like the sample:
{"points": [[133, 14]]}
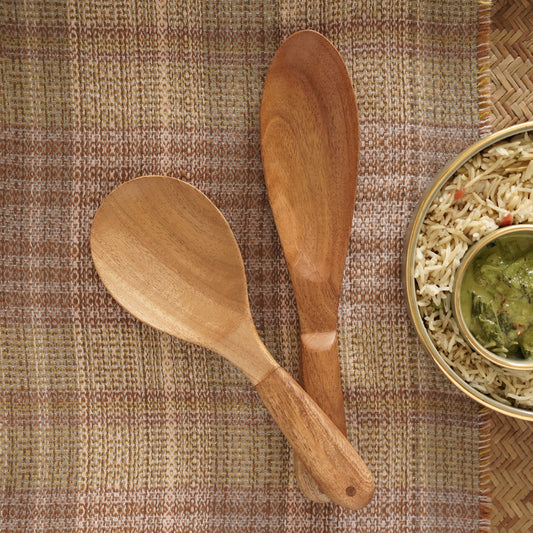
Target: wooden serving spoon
{"points": [[310, 149], [169, 257]]}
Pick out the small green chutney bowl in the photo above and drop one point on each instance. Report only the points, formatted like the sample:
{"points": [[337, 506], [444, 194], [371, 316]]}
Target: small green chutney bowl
{"points": [[461, 307]]}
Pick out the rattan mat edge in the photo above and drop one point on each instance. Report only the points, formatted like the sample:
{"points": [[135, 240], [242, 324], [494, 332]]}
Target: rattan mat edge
{"points": [[511, 86]]}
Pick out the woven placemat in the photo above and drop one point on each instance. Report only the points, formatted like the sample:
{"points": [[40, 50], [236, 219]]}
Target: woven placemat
{"points": [[106, 424], [511, 475], [511, 62], [511, 74]]}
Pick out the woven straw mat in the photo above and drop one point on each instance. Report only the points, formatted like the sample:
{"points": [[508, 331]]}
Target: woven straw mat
{"points": [[511, 440], [107, 424]]}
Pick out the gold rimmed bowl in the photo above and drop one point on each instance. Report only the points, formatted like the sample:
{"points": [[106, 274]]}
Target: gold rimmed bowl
{"points": [[492, 384], [492, 297]]}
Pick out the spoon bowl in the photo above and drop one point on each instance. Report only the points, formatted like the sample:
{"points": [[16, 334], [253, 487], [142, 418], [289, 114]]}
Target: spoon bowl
{"points": [[169, 257]]}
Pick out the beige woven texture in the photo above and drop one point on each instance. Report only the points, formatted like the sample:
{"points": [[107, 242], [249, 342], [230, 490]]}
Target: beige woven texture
{"points": [[511, 75], [106, 424]]}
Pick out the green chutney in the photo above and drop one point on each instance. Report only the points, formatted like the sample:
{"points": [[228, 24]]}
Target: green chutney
{"points": [[496, 296]]}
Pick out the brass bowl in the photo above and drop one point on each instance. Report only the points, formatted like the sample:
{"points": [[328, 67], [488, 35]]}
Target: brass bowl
{"points": [[408, 262], [471, 254]]}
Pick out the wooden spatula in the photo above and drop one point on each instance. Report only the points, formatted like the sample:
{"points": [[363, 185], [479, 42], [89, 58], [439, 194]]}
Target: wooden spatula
{"points": [[310, 149]]}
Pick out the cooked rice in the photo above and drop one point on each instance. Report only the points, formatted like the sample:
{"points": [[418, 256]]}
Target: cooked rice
{"points": [[496, 182]]}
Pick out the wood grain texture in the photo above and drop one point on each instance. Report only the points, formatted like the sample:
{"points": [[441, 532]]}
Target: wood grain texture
{"points": [[321, 375], [321, 378], [353, 487], [310, 151], [169, 257]]}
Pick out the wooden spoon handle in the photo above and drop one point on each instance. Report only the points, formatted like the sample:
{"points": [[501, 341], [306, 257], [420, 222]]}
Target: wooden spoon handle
{"points": [[322, 381], [321, 376], [325, 452]]}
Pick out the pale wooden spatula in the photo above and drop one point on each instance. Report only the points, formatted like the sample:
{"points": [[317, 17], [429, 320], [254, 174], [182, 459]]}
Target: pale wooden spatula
{"points": [[169, 257]]}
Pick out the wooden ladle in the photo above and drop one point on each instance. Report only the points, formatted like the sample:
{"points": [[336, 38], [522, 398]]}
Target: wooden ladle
{"points": [[310, 149], [169, 257]]}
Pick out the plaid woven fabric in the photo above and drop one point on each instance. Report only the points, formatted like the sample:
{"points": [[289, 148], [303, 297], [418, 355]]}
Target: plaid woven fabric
{"points": [[109, 425]]}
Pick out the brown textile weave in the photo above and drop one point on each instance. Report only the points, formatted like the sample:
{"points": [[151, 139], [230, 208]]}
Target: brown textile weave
{"points": [[106, 424]]}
